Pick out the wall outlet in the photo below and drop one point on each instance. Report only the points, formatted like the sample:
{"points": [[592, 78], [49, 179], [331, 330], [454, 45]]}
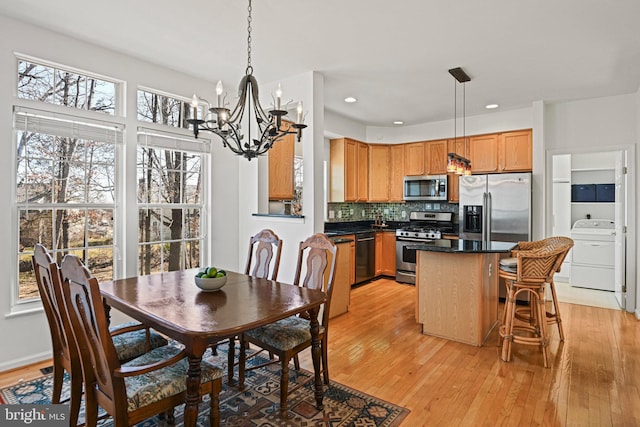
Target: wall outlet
{"points": [[351, 211], [436, 206], [332, 214], [386, 211], [362, 213], [403, 214]]}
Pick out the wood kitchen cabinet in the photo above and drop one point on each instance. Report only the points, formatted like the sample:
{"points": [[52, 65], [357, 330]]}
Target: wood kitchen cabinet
{"points": [[436, 156], [379, 176], [363, 172], [378, 261], [388, 255], [414, 158], [515, 151], [352, 258], [385, 253], [281, 165], [346, 172], [342, 280], [396, 173], [483, 153]]}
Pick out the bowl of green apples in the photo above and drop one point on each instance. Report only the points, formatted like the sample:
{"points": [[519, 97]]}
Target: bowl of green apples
{"points": [[211, 279]]}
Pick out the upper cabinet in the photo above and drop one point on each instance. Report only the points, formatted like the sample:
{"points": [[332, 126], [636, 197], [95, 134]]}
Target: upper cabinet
{"points": [[281, 168], [396, 173], [483, 153], [346, 171], [501, 152], [414, 158], [515, 151], [379, 172], [436, 157], [363, 172]]}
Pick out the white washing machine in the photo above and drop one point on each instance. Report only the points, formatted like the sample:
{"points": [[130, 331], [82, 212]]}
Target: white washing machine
{"points": [[593, 254]]}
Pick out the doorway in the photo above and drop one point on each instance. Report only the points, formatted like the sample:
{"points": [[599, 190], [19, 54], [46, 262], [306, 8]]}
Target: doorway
{"points": [[571, 178]]}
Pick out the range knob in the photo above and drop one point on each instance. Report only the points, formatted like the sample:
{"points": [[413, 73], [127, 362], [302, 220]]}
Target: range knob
{"points": [[416, 234]]}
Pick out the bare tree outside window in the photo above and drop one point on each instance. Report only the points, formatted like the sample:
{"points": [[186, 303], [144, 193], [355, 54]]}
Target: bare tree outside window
{"points": [[169, 193], [65, 186]]}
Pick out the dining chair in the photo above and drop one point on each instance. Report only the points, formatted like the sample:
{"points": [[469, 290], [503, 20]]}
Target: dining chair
{"points": [[288, 337], [262, 248], [131, 339], [263, 261], [130, 392]]}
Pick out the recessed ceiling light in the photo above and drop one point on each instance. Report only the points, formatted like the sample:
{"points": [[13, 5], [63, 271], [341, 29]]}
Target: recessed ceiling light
{"points": [[350, 99], [398, 122], [491, 106]]}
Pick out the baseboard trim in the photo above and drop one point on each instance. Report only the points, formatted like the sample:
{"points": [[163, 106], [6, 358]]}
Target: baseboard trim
{"points": [[24, 361]]}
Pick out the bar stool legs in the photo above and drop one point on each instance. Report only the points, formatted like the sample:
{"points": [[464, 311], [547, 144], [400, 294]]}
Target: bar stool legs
{"points": [[532, 333], [555, 316]]}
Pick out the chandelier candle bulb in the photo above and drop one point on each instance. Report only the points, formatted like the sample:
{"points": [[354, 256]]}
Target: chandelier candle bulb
{"points": [[278, 97], [194, 104], [219, 90], [299, 110]]}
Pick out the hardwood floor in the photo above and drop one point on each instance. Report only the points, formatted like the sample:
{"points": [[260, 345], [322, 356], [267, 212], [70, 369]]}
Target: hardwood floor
{"points": [[377, 348]]}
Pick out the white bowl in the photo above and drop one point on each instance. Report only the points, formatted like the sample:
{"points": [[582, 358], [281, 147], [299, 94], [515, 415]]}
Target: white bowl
{"points": [[211, 283]]}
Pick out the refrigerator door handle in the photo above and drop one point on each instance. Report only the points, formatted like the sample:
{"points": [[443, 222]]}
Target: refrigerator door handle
{"points": [[489, 219], [485, 212]]}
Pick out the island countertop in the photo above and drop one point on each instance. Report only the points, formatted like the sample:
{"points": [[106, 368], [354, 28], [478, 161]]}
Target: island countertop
{"points": [[463, 246]]}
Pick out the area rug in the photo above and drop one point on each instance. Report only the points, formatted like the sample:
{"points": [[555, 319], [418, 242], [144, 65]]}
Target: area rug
{"points": [[257, 405]]}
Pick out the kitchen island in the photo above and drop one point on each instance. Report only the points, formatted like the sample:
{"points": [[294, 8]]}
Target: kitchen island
{"points": [[457, 289]]}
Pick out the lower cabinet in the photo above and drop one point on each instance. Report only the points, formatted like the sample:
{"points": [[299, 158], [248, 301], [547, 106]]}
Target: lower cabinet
{"points": [[385, 253], [342, 281]]}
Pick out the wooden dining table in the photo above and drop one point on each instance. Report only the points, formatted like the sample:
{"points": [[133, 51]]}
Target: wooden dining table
{"points": [[172, 304]]}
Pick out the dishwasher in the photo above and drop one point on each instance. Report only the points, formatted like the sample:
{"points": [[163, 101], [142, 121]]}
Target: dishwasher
{"points": [[365, 256]]}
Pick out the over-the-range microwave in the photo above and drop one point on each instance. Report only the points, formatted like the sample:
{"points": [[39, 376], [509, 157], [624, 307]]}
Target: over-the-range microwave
{"points": [[426, 187]]}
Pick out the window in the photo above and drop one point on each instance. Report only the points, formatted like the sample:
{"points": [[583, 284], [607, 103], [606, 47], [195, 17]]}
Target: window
{"points": [[164, 109], [65, 191], [171, 223], [54, 85]]}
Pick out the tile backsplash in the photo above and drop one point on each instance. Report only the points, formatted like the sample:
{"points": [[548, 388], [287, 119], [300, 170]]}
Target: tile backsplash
{"points": [[341, 212]]}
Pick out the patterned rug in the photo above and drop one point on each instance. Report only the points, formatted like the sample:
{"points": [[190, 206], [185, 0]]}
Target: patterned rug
{"points": [[258, 404]]}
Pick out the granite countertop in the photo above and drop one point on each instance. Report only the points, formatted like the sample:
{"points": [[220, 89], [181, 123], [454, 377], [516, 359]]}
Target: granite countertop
{"points": [[338, 240], [468, 246]]}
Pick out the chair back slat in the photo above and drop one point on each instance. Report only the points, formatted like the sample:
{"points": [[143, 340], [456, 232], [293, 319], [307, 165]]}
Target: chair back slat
{"points": [[318, 256], [263, 248], [89, 322]]}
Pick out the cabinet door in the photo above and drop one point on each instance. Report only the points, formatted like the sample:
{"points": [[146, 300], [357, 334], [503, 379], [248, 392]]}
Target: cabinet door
{"points": [[396, 173], [515, 151], [363, 172], [281, 182], [379, 166], [350, 171], [483, 153], [379, 253], [437, 157], [414, 158], [388, 253], [453, 187]]}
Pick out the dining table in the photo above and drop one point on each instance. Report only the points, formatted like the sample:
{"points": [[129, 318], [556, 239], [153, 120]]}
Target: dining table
{"points": [[171, 303]]}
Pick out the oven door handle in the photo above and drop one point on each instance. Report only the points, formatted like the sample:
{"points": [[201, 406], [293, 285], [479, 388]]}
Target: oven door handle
{"points": [[409, 239]]}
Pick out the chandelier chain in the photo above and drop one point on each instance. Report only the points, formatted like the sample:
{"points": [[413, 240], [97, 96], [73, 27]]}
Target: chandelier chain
{"points": [[249, 67]]}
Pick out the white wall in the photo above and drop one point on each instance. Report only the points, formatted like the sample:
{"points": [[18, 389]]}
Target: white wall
{"points": [[307, 87], [596, 125], [495, 121], [25, 337]]}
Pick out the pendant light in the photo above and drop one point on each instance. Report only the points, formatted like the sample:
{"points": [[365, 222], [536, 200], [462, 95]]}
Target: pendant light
{"points": [[455, 163]]}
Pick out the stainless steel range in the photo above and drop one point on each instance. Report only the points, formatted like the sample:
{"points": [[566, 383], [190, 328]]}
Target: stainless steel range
{"points": [[423, 228]]}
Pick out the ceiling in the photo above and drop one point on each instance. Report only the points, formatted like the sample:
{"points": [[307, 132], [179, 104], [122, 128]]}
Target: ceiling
{"points": [[393, 57]]}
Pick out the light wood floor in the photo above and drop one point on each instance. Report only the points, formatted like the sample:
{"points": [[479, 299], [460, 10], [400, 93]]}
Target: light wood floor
{"points": [[377, 348]]}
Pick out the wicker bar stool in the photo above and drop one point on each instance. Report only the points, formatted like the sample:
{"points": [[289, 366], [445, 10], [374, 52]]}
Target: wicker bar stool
{"points": [[534, 269], [550, 242]]}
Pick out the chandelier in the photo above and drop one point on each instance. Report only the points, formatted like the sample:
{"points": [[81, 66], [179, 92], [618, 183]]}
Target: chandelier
{"points": [[456, 163], [226, 123]]}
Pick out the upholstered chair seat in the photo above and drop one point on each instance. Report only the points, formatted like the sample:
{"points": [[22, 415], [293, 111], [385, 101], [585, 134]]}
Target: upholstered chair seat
{"points": [[284, 334]]}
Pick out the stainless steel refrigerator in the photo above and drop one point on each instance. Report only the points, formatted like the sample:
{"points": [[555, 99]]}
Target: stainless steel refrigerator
{"points": [[495, 207]]}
